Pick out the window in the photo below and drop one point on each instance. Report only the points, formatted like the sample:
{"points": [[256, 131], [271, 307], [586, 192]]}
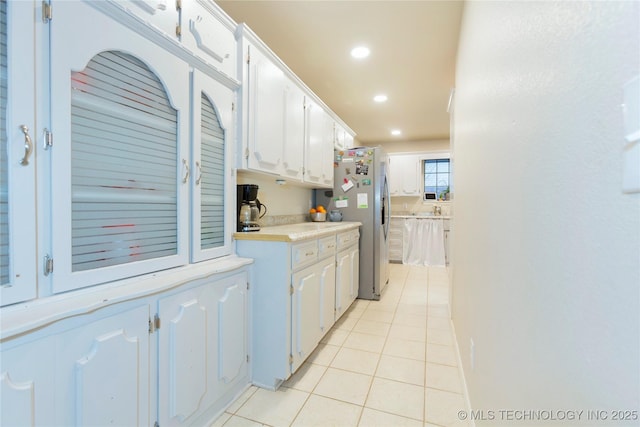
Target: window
{"points": [[436, 177]]}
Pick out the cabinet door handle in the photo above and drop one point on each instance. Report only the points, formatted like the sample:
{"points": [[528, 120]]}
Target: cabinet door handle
{"points": [[199, 173], [185, 166], [28, 146]]}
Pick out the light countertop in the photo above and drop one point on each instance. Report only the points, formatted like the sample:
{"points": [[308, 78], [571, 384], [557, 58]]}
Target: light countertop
{"points": [[422, 216], [296, 232]]}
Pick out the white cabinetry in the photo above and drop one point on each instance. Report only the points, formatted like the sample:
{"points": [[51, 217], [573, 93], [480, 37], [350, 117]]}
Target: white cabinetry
{"points": [[202, 347], [264, 114], [162, 14], [447, 229], [318, 165], [286, 130], [396, 228], [18, 129], [404, 175], [95, 373], [312, 288], [122, 364], [296, 288], [343, 139], [347, 270], [209, 34]]}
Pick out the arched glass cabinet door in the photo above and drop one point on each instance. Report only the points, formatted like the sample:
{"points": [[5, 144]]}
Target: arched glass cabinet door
{"points": [[212, 148], [120, 165], [17, 153]]}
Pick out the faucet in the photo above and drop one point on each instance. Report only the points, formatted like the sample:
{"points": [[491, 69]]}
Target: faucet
{"points": [[437, 210]]}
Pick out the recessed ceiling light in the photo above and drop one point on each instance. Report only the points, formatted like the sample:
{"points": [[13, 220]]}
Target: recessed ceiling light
{"points": [[360, 52], [396, 132], [380, 98]]}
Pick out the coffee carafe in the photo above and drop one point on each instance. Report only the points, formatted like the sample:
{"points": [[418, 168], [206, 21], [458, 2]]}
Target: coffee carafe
{"points": [[249, 208]]}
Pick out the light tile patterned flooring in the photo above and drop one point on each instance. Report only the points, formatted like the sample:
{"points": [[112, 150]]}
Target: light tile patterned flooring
{"points": [[387, 363]]}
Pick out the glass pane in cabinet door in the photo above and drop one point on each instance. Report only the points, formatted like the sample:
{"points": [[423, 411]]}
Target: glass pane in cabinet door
{"points": [[4, 179], [212, 177], [17, 153]]}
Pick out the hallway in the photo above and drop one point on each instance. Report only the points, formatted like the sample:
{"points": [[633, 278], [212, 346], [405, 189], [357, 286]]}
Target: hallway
{"points": [[392, 362]]}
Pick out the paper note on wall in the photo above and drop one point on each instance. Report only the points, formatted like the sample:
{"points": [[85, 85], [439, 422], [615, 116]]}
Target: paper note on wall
{"points": [[363, 201]]}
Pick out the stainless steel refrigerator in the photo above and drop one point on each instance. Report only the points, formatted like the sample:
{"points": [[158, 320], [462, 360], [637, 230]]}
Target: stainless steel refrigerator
{"points": [[361, 193]]}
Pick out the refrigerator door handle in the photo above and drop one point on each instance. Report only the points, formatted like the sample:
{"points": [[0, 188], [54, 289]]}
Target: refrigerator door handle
{"points": [[386, 210]]}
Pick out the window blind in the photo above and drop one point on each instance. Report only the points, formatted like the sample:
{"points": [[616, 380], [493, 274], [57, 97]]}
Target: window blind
{"points": [[4, 178], [213, 177], [123, 164]]}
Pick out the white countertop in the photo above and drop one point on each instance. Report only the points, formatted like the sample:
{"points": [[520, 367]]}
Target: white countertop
{"points": [[422, 216], [295, 232]]}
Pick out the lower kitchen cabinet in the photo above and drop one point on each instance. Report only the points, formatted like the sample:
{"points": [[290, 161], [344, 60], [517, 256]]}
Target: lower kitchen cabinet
{"points": [[348, 271], [295, 289], [396, 227], [313, 288], [123, 365], [96, 372], [202, 347]]}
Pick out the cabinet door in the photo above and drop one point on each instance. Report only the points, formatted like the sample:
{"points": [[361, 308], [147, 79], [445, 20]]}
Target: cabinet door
{"points": [[231, 296], [201, 347], [102, 372], [318, 146], [27, 384], [344, 286], [328, 294], [212, 151], [120, 179], [266, 113], [404, 177], [293, 141], [395, 239], [162, 14], [306, 314], [17, 161], [209, 35], [354, 260]]}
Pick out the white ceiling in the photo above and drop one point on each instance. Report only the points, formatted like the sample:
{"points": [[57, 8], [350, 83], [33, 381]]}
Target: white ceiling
{"points": [[413, 50]]}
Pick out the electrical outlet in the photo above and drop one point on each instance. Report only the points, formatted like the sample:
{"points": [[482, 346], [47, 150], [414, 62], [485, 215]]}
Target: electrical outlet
{"points": [[472, 354]]}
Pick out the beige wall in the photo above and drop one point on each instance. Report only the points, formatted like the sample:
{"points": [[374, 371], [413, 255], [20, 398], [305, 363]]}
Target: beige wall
{"points": [[546, 246], [415, 146], [287, 199]]}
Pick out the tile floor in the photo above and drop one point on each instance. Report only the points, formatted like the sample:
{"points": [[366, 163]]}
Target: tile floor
{"points": [[387, 363]]}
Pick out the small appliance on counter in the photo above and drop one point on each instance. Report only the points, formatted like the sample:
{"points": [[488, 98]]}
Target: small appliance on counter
{"points": [[249, 208]]}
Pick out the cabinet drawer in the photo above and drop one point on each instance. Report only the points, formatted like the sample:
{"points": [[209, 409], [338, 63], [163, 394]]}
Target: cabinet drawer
{"points": [[348, 238], [303, 254], [327, 246]]}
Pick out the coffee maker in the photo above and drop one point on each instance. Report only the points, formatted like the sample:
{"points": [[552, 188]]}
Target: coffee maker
{"points": [[249, 208]]}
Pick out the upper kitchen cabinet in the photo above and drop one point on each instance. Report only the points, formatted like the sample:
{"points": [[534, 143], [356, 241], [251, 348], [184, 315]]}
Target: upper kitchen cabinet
{"points": [[209, 34], [141, 184], [17, 157], [404, 175], [318, 161], [163, 14], [343, 139], [286, 130], [213, 133], [120, 181], [273, 113]]}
